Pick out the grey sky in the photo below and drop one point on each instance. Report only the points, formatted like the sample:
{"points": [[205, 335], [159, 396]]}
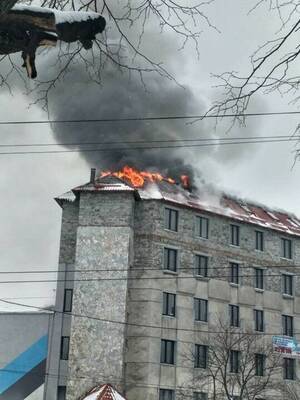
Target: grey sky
{"points": [[29, 217]]}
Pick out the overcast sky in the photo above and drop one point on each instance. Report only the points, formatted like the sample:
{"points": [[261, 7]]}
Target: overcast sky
{"points": [[30, 218]]}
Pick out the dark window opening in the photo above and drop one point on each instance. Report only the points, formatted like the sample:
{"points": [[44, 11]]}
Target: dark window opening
{"points": [[201, 306], [202, 225], [170, 259], [259, 278], [169, 304], [201, 265], [259, 240], [167, 354], [286, 248], [68, 300], [171, 219], [234, 273], [260, 364], [259, 320], [201, 353], [234, 314], [64, 348], [235, 235], [287, 325], [287, 284], [234, 361]]}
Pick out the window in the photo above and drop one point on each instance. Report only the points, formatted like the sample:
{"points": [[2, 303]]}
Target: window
{"points": [[202, 225], [201, 265], [286, 248], [259, 240], [201, 353], [287, 325], [260, 364], [234, 273], [234, 361], [259, 320], [289, 368], [68, 300], [170, 259], [167, 353], [169, 304], [201, 306], [171, 219], [287, 284], [234, 315], [61, 392], [64, 348], [200, 396], [259, 278], [235, 235], [166, 394]]}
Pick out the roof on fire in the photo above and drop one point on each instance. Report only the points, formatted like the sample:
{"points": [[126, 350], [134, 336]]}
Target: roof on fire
{"points": [[202, 201], [103, 392]]}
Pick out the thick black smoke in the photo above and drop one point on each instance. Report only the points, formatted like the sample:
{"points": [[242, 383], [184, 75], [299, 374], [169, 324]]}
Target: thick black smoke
{"points": [[120, 97]]}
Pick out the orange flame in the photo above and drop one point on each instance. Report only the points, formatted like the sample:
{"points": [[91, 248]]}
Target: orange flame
{"points": [[185, 180], [135, 177]]}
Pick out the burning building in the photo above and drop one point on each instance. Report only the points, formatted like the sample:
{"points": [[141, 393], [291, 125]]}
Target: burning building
{"points": [[145, 266]]}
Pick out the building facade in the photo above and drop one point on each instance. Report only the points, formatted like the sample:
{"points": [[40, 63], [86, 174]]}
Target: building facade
{"points": [[24, 353], [155, 268]]}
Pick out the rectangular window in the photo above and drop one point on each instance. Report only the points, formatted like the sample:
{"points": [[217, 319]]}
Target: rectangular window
{"points": [[234, 361], [259, 240], [286, 248], [287, 284], [259, 278], [234, 315], [61, 392], [287, 325], [202, 225], [289, 368], [234, 273], [201, 265], [259, 320], [200, 396], [171, 219], [167, 353], [166, 394], [260, 364], [169, 304], [170, 259], [201, 353], [68, 300], [201, 306], [64, 347], [235, 235]]}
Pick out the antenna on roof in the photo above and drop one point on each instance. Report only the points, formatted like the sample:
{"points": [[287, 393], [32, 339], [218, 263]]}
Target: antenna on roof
{"points": [[93, 175]]}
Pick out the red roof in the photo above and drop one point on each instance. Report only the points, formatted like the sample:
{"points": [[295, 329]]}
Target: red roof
{"points": [[103, 392]]}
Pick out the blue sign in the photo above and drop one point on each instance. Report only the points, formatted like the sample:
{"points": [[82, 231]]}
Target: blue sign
{"points": [[286, 345]]}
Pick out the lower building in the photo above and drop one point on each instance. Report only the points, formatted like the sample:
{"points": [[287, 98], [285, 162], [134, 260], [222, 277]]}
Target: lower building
{"points": [[24, 351]]}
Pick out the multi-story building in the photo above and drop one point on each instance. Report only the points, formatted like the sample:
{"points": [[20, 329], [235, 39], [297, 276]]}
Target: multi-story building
{"points": [[155, 265]]}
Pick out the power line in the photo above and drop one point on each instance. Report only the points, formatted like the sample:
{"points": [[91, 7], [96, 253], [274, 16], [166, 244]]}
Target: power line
{"points": [[155, 118], [145, 147], [296, 266], [227, 139], [166, 277], [160, 327]]}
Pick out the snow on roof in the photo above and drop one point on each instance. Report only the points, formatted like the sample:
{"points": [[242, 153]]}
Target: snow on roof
{"points": [[61, 17], [220, 204], [103, 392]]}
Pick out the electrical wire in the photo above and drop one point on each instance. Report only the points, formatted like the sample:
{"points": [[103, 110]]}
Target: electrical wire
{"points": [[160, 327], [144, 147], [154, 118], [227, 139]]}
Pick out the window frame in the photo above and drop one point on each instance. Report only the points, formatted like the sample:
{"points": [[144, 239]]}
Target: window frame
{"points": [[167, 306], [200, 302], [201, 356], [64, 351], [200, 396], [258, 321], [170, 249], [288, 372], [65, 309], [163, 392], [258, 277], [199, 256], [168, 213], [283, 243], [232, 315], [165, 356], [234, 361], [284, 277], [260, 364], [234, 276], [286, 329], [199, 228], [259, 240], [233, 228]]}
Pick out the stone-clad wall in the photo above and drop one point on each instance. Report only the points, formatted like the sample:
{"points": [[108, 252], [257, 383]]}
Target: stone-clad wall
{"points": [[145, 292], [104, 242]]}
